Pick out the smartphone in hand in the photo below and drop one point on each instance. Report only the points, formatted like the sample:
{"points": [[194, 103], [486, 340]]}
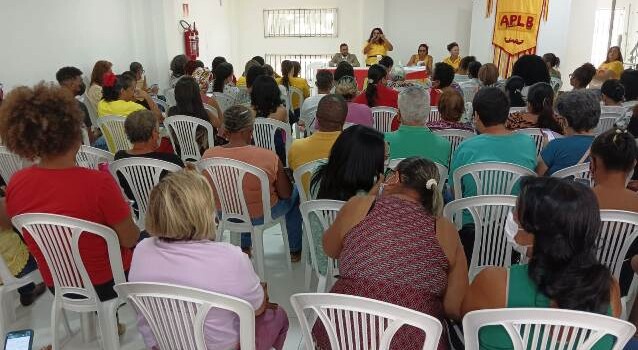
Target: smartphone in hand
{"points": [[19, 340]]}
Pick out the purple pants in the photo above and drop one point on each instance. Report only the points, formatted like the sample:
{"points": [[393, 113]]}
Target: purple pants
{"points": [[270, 329]]}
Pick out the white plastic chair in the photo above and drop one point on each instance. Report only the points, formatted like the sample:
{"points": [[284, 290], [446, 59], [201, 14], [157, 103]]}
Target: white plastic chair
{"points": [[8, 303], [539, 328], [264, 134], [92, 110], [618, 231], [455, 136], [211, 109], [163, 106], [461, 78], [383, 117], [58, 238], [360, 321], [10, 163], [292, 92], [434, 116], [225, 101], [183, 135], [113, 130], [308, 168], [141, 175], [469, 90], [517, 110], [490, 177], [170, 96], [177, 315], [491, 247], [325, 211], [580, 172], [443, 170], [89, 157], [606, 122], [536, 134], [227, 176]]}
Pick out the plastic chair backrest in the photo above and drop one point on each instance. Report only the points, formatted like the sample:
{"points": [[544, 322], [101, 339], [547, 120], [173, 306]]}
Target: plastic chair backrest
{"points": [[10, 163], [517, 110], [183, 134], [113, 129], [295, 93], [461, 78], [489, 213], [361, 323], [89, 157], [177, 315], [536, 134], [141, 175], [264, 133], [578, 171], [434, 115], [539, 328], [58, 237], [325, 210], [618, 231], [92, 110], [606, 122], [383, 117], [227, 176], [308, 168], [170, 96], [490, 177], [225, 101], [469, 91], [455, 136]]}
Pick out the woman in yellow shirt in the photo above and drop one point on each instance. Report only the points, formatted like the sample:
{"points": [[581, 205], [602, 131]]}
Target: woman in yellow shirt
{"points": [[287, 80], [613, 67], [454, 59], [422, 58], [377, 45]]}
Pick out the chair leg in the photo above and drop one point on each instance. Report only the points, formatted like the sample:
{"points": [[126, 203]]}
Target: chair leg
{"points": [[321, 285], [284, 234], [108, 325], [5, 320], [219, 236], [88, 326], [257, 237], [56, 310]]}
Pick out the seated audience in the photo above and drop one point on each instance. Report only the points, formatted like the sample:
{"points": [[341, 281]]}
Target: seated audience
{"points": [[284, 199], [357, 113], [540, 111], [324, 84], [118, 94], [629, 79], [613, 93], [191, 66], [451, 108], [413, 138], [553, 62], [387, 62], [582, 76], [45, 122], [514, 88], [70, 78], [181, 222], [202, 77], [397, 79], [241, 82], [343, 69], [581, 109], [289, 79], [216, 62], [265, 99], [613, 67], [473, 81], [454, 60], [563, 272], [331, 114], [402, 228], [377, 94], [532, 69], [259, 60], [140, 79], [464, 65], [223, 81], [177, 69], [422, 58], [442, 80], [94, 93], [344, 56], [488, 75]]}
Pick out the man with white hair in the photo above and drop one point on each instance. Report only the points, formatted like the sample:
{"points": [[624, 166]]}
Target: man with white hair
{"points": [[397, 79], [413, 138]]}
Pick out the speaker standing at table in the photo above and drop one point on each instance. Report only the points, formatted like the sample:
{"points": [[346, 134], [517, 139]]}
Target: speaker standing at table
{"points": [[376, 46], [344, 56]]}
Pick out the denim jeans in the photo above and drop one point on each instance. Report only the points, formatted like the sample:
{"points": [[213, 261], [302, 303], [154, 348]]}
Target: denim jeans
{"points": [[101, 143], [290, 208], [28, 268]]}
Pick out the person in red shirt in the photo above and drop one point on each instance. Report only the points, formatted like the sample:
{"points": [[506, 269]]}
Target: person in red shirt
{"points": [[45, 122], [377, 94]]}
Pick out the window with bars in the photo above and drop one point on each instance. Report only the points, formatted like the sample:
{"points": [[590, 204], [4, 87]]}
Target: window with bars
{"points": [[309, 63], [300, 23]]}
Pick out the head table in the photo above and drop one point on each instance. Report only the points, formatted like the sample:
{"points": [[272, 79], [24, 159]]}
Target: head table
{"points": [[361, 73]]}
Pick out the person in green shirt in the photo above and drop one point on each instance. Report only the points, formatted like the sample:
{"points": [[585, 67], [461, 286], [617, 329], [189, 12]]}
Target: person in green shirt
{"points": [[414, 139], [560, 218]]}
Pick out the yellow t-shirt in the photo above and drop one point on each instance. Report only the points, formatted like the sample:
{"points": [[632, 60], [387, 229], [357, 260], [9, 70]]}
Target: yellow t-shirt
{"points": [[301, 84], [615, 66], [13, 251], [119, 107], [454, 63], [315, 147], [241, 82], [375, 49]]}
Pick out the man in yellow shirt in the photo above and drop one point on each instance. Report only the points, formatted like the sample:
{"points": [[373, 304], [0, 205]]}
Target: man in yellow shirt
{"points": [[331, 115], [454, 59], [376, 46]]}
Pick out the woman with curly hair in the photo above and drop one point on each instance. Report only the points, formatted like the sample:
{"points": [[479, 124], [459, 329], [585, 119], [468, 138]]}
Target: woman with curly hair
{"points": [[44, 123]]}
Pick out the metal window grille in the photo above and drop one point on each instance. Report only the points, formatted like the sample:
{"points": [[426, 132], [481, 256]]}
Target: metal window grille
{"points": [[300, 23], [309, 63]]}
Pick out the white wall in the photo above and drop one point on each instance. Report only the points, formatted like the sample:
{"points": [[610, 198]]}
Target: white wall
{"points": [[409, 23]]}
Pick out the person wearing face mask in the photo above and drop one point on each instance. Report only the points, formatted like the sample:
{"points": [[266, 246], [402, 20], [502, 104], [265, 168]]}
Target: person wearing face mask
{"points": [[70, 78], [562, 218], [401, 228]]}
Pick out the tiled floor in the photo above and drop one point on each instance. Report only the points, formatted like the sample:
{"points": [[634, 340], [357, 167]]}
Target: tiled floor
{"points": [[282, 283]]}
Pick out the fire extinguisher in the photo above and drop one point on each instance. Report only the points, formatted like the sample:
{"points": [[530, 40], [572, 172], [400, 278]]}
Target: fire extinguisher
{"points": [[191, 40]]}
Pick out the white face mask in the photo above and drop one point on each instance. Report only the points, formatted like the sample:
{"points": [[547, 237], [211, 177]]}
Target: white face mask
{"points": [[511, 230]]}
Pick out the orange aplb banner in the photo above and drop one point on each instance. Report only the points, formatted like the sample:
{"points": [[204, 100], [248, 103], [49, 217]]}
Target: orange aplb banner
{"points": [[516, 26]]}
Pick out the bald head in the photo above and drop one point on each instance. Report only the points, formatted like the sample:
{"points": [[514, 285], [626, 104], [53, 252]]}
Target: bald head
{"points": [[331, 113]]}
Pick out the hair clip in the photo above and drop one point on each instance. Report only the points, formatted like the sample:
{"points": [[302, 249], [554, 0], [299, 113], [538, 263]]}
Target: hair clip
{"points": [[621, 131], [370, 81], [431, 183], [108, 79]]}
